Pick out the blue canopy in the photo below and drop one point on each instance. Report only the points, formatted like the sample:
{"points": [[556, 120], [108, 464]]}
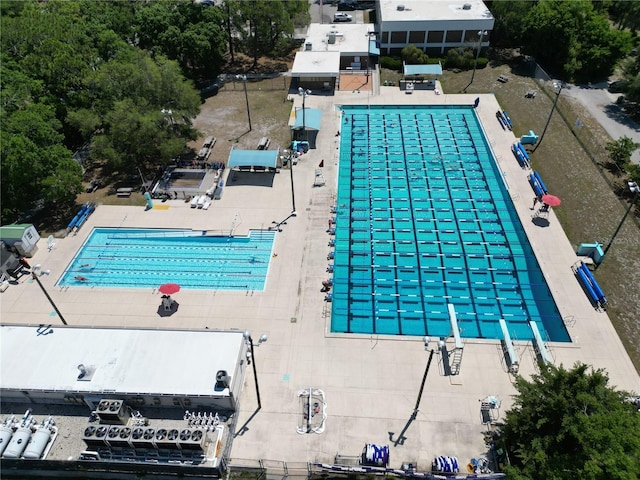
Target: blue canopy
{"points": [[423, 69], [311, 117], [253, 158]]}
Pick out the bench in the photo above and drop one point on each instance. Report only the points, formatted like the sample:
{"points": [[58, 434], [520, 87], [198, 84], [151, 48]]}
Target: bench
{"points": [[124, 192], [503, 78], [530, 94]]}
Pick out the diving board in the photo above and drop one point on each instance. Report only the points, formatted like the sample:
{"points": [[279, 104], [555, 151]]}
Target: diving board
{"points": [[514, 362], [454, 325], [539, 343]]}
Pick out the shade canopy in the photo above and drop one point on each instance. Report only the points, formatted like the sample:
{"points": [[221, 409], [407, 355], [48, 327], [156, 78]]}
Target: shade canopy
{"points": [[169, 288], [551, 200], [433, 69], [253, 158], [309, 120]]}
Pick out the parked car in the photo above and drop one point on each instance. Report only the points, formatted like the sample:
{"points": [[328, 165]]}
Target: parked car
{"points": [[347, 5], [619, 86], [342, 17], [212, 89]]}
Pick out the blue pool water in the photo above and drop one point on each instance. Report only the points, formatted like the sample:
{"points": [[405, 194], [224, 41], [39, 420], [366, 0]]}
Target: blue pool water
{"points": [[147, 258], [423, 219]]}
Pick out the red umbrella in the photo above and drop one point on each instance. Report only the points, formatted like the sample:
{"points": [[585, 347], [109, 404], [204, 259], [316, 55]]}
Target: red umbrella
{"points": [[169, 288], [551, 200]]}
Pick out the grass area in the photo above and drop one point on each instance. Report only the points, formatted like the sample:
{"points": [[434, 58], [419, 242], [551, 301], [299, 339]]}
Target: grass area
{"points": [[590, 210]]}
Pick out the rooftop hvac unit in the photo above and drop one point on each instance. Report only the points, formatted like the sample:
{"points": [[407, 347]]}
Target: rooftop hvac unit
{"points": [[466, 6], [101, 434], [113, 412], [332, 38], [166, 439], [137, 440], [308, 46], [222, 379], [118, 437], [400, 8], [193, 439], [148, 437]]}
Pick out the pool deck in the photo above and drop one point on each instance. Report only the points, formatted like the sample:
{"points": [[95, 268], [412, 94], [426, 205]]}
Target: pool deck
{"points": [[371, 383]]}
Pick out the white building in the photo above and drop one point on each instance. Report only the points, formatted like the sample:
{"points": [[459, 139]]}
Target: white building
{"points": [[433, 26], [159, 368]]}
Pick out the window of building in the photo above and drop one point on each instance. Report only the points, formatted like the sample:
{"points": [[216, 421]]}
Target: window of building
{"points": [[435, 36], [417, 37], [454, 36], [384, 37], [398, 37]]}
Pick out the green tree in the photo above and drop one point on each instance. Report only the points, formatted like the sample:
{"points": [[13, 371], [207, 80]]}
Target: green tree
{"points": [[414, 56], [620, 150], [35, 165], [570, 424]]}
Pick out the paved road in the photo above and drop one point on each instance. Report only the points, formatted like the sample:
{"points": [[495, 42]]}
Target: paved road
{"points": [[601, 105]]}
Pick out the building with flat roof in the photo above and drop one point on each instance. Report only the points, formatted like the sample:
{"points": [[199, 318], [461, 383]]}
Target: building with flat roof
{"points": [[160, 368], [330, 49], [433, 26]]}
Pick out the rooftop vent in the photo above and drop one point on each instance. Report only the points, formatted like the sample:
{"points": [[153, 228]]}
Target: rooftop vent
{"points": [[466, 6], [400, 8]]}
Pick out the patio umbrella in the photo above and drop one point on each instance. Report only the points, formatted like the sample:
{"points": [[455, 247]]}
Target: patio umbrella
{"points": [[169, 288], [551, 200]]}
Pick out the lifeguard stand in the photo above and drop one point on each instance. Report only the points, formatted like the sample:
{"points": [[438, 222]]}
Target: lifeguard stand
{"points": [[490, 409]]}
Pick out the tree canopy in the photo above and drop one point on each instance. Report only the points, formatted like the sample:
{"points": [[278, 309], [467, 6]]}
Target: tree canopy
{"points": [[585, 45], [568, 424], [116, 75]]}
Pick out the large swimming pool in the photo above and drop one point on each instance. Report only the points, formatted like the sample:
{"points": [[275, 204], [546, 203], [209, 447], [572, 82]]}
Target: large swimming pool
{"points": [[423, 220], [147, 258]]}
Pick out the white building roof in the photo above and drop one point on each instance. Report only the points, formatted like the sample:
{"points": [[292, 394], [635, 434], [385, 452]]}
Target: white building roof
{"points": [[316, 64], [126, 361], [350, 38], [432, 10]]}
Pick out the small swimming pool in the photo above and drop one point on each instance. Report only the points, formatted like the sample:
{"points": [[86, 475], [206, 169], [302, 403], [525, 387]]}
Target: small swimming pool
{"points": [[423, 220], [147, 258]]}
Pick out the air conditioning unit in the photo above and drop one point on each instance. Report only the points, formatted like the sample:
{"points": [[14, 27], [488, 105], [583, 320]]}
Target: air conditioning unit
{"points": [[223, 380], [137, 440], [193, 439], [92, 439], [118, 437], [149, 437], [400, 8], [165, 441], [466, 6], [101, 434], [113, 412]]}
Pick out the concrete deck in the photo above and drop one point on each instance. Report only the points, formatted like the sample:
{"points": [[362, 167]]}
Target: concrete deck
{"points": [[371, 382]]}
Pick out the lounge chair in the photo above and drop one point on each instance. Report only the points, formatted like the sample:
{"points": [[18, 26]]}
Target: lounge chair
{"points": [[201, 200], [51, 243], [194, 201]]}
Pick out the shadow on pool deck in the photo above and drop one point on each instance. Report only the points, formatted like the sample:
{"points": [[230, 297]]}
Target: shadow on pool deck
{"points": [[167, 313], [254, 179]]}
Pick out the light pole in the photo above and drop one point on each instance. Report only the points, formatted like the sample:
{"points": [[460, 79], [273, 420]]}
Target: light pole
{"points": [[289, 156], [558, 86], [304, 94], [635, 189], [252, 360], [482, 33], [246, 96]]}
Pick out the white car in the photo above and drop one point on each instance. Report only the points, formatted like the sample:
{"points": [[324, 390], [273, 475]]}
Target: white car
{"points": [[342, 17]]}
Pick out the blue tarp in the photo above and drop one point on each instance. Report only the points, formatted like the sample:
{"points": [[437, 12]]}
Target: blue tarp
{"points": [[255, 158], [422, 69], [311, 117]]}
